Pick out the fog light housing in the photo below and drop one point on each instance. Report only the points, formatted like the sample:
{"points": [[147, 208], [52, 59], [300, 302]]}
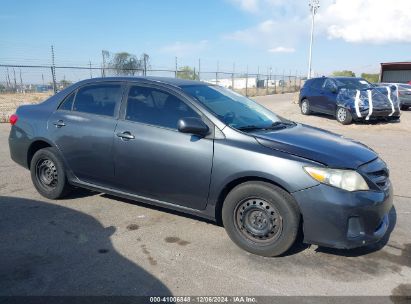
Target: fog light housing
{"points": [[355, 227]]}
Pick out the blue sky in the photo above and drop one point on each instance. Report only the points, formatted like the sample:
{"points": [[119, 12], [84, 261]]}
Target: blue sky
{"points": [[350, 34]]}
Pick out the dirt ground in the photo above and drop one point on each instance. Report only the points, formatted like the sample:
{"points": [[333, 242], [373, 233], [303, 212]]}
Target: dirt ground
{"points": [[10, 101], [95, 244]]}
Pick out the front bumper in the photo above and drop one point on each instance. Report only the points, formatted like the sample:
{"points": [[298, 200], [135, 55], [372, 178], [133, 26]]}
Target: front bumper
{"points": [[405, 101], [337, 218], [376, 113]]}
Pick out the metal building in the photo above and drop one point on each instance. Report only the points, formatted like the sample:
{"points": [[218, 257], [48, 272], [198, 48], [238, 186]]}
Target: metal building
{"points": [[396, 72]]}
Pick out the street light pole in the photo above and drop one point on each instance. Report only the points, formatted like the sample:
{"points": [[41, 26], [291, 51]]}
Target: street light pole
{"points": [[314, 5]]}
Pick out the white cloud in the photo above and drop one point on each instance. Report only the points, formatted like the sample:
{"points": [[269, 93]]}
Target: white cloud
{"points": [[367, 21], [282, 49], [179, 48], [251, 6], [354, 21], [269, 34]]}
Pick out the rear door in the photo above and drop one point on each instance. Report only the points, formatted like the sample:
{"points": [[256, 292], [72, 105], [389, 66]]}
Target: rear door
{"points": [[83, 129], [315, 94], [152, 158]]}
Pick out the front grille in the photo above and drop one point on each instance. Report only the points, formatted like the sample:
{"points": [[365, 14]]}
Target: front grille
{"points": [[377, 174]]}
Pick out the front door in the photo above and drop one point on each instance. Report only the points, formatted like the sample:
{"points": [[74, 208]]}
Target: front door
{"points": [[329, 93], [153, 159]]}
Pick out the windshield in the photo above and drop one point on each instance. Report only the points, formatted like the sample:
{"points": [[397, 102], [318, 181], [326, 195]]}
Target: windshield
{"points": [[354, 83], [233, 109]]}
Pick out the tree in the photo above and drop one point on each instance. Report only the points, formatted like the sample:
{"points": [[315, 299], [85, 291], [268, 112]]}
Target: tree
{"points": [[2, 88], [373, 78], [125, 64], [187, 73], [65, 83], [344, 73]]}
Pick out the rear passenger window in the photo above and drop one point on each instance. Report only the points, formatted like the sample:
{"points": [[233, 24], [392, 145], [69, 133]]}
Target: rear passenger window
{"points": [[98, 99], [156, 107], [67, 104], [317, 83]]}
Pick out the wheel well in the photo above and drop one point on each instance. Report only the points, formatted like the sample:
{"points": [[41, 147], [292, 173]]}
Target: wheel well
{"points": [[230, 186], [34, 147]]}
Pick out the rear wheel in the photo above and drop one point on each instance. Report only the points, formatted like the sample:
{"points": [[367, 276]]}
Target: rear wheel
{"points": [[48, 174], [261, 218], [305, 107], [343, 116]]}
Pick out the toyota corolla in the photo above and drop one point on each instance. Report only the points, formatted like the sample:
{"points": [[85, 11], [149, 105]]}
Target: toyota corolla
{"points": [[205, 150]]}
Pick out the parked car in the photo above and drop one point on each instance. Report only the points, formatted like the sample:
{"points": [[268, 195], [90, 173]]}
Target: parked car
{"points": [[205, 150], [403, 93], [348, 99]]}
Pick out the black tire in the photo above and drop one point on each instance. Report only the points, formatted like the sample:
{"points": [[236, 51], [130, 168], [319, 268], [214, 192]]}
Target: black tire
{"points": [[305, 107], [48, 174], [242, 222], [343, 116], [404, 107]]}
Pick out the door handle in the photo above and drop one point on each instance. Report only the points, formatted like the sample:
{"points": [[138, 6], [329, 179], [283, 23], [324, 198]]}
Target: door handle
{"points": [[125, 135], [59, 123]]}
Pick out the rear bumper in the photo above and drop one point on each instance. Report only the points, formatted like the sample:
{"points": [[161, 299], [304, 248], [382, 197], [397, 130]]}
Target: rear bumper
{"points": [[18, 147], [337, 218]]}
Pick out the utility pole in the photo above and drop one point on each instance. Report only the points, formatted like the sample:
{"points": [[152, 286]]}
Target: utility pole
{"points": [[246, 82], [103, 70], [21, 84], [15, 82], [8, 78], [216, 74], [199, 67], [176, 68], [232, 77], [42, 78], [53, 70], [91, 73], [314, 6]]}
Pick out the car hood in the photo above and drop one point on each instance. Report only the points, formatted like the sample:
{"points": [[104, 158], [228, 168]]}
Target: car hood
{"points": [[378, 96], [318, 145]]}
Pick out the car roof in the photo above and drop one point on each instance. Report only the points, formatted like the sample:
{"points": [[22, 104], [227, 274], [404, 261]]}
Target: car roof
{"points": [[177, 82], [336, 77]]}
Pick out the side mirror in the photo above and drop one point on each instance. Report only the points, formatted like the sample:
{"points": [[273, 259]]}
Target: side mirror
{"points": [[192, 125], [334, 89]]}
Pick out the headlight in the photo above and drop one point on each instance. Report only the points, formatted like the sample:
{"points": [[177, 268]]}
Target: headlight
{"points": [[349, 180]]}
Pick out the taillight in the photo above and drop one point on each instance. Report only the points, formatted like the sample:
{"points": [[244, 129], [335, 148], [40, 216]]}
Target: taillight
{"points": [[13, 119]]}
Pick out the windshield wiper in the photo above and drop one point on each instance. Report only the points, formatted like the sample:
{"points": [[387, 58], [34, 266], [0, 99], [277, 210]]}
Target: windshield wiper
{"points": [[274, 126]]}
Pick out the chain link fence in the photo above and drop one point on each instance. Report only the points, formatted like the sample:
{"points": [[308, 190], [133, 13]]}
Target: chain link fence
{"points": [[20, 84]]}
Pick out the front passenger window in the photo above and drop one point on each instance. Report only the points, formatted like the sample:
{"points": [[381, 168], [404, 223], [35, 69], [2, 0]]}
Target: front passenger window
{"points": [[330, 86], [156, 107]]}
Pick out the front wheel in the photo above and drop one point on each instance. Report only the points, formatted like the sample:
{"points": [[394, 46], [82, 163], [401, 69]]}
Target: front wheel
{"points": [[305, 107], [404, 107], [343, 116], [261, 218], [48, 174]]}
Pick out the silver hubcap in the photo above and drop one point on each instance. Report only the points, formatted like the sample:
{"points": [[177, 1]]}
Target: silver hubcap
{"points": [[304, 107], [341, 114]]}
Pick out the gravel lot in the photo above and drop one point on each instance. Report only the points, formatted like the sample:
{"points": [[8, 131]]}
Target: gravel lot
{"points": [[95, 244]]}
